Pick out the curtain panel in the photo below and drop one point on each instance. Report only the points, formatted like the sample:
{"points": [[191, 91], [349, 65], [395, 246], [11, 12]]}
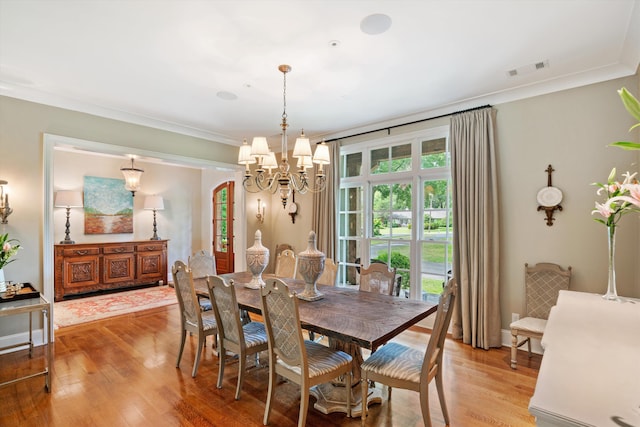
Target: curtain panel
{"points": [[476, 318], [324, 216]]}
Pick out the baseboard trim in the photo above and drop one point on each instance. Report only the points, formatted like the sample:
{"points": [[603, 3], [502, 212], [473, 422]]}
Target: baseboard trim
{"points": [[23, 337]]}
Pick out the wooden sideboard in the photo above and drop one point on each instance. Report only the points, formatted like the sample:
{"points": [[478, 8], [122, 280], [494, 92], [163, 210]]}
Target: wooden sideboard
{"points": [[90, 267]]}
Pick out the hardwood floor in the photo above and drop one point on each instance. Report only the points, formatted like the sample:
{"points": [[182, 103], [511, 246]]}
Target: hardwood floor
{"points": [[121, 372]]}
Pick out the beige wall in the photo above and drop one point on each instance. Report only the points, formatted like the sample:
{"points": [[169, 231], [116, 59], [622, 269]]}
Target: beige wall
{"points": [[568, 129]]}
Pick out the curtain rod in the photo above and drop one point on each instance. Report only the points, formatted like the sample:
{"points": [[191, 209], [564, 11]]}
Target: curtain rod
{"points": [[388, 128]]}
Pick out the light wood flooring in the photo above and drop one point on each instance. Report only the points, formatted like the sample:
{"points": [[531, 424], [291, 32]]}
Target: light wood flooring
{"points": [[121, 372]]}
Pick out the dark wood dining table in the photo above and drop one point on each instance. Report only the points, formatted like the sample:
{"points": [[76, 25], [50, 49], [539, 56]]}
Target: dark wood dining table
{"points": [[363, 318], [349, 318]]}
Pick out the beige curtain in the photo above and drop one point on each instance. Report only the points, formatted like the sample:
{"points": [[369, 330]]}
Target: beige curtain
{"points": [[323, 219], [475, 220]]}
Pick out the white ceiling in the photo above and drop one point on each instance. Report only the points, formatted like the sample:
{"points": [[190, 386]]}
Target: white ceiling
{"points": [[165, 63]]}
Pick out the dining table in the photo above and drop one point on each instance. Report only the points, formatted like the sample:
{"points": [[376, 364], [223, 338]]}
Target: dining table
{"points": [[351, 320]]}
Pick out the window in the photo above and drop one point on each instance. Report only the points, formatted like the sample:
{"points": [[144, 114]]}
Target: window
{"points": [[395, 207]]}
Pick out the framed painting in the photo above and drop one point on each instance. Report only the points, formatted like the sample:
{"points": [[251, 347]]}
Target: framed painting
{"points": [[108, 206]]}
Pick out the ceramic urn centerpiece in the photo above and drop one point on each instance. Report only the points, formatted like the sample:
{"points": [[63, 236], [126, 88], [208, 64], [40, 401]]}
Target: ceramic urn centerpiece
{"points": [[257, 260], [310, 267]]}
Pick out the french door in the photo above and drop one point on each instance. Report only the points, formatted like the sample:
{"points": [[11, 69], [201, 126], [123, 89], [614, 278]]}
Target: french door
{"points": [[223, 227]]}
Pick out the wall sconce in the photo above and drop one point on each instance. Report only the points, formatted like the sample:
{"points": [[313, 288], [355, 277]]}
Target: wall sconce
{"points": [[132, 177], [5, 210], [156, 203], [260, 214], [68, 199]]}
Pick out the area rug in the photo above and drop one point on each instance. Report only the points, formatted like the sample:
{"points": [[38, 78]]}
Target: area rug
{"points": [[81, 310]]}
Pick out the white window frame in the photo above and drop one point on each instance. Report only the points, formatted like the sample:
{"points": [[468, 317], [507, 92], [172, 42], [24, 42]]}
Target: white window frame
{"points": [[416, 176]]}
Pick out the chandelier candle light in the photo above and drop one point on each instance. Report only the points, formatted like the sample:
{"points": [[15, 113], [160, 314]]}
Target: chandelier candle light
{"points": [[5, 209], [265, 179]]}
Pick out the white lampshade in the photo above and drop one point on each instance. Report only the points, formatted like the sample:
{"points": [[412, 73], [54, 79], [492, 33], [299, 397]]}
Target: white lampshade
{"points": [[154, 202], [244, 156], [305, 162], [68, 199], [259, 146], [302, 147], [269, 162], [321, 155]]}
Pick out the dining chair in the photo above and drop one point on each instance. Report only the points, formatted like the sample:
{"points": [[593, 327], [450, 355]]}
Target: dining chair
{"points": [[543, 283], [243, 340], [330, 273], [202, 264], [328, 277], [281, 247], [378, 278], [397, 365], [300, 361], [286, 264], [192, 318]]}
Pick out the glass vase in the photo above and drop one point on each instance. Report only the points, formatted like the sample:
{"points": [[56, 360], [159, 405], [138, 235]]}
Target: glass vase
{"points": [[612, 293]]}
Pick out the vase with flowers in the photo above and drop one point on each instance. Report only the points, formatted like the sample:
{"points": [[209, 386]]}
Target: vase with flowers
{"points": [[8, 248], [621, 198]]}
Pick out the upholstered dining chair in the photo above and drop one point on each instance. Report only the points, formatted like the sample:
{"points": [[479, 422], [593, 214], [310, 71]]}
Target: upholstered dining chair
{"points": [[328, 276], [300, 361], [192, 318], [397, 365], [243, 340], [202, 264], [543, 283], [378, 278], [286, 264]]}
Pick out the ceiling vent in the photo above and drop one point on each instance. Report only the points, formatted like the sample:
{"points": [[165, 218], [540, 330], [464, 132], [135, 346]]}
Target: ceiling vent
{"points": [[526, 69]]}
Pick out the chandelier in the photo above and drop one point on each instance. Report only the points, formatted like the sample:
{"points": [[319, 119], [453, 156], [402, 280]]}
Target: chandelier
{"points": [[269, 176]]}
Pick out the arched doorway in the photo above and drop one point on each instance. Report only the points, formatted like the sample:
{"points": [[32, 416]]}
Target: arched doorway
{"points": [[223, 227]]}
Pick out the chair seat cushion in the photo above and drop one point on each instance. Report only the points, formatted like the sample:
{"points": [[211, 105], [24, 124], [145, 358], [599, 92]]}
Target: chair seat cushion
{"points": [[205, 304], [396, 361], [529, 324], [208, 321], [321, 359], [254, 334]]}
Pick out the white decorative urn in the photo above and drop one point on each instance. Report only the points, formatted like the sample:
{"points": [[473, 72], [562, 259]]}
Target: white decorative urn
{"points": [[310, 267], [257, 260]]}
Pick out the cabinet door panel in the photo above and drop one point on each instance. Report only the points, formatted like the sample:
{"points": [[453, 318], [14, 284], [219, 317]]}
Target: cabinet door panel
{"points": [[81, 271], [118, 268], [150, 266]]}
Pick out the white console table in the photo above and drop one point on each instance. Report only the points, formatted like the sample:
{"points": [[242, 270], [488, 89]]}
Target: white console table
{"points": [[590, 371]]}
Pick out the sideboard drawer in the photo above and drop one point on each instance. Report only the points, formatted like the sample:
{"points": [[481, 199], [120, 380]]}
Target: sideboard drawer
{"points": [[118, 249], [151, 247], [80, 252]]}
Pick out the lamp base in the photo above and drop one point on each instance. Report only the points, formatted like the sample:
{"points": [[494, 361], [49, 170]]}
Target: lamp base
{"points": [[67, 242], [155, 238]]}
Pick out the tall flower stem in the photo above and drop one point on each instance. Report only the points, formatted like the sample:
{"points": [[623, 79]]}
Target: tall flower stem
{"points": [[612, 293]]}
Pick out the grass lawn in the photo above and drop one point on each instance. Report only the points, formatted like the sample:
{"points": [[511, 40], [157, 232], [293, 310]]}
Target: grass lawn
{"points": [[433, 252]]}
